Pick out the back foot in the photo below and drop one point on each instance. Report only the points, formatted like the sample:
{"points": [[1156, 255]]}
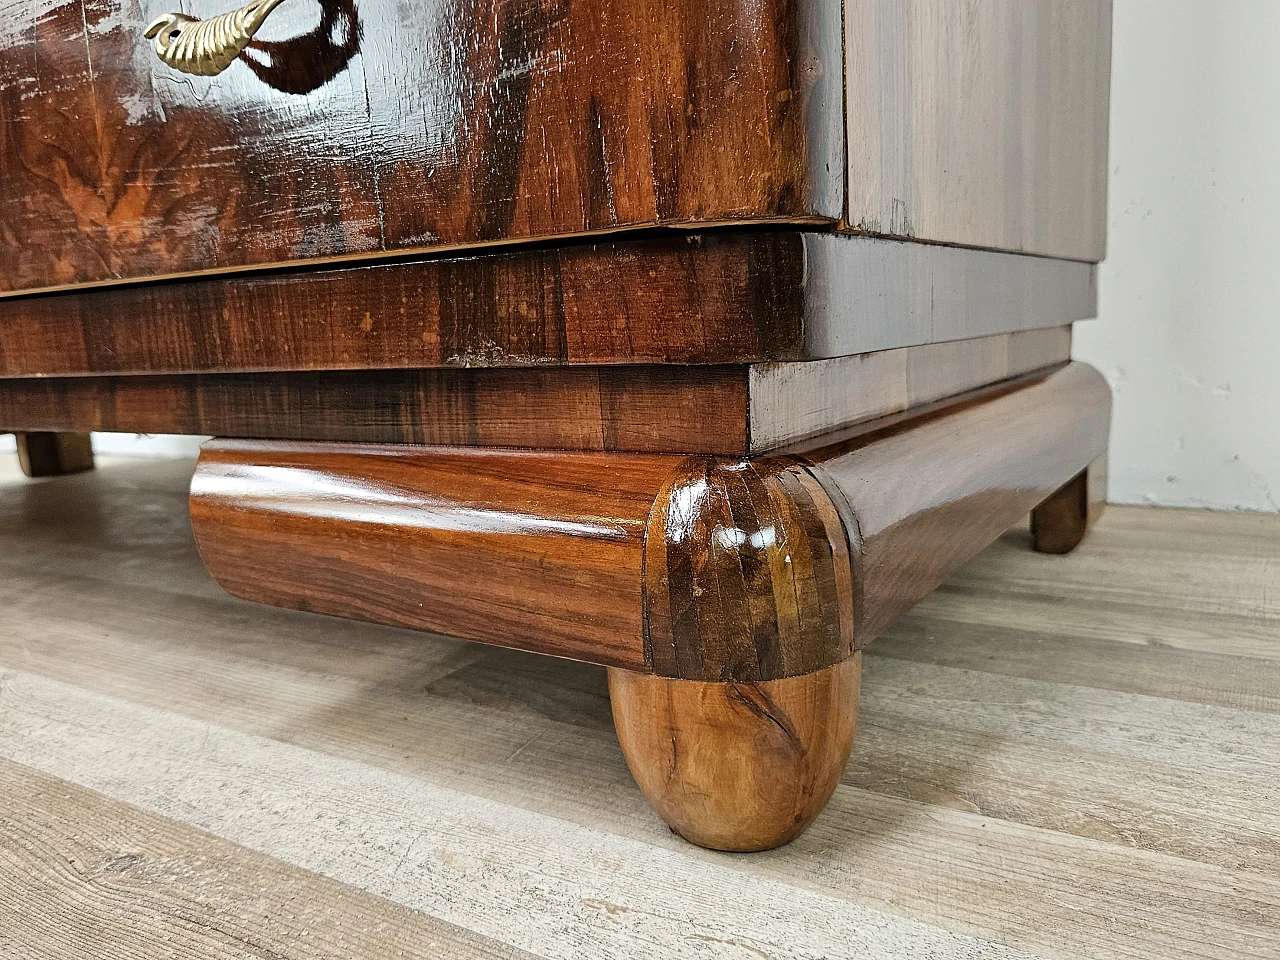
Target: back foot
{"points": [[53, 454], [1060, 522]]}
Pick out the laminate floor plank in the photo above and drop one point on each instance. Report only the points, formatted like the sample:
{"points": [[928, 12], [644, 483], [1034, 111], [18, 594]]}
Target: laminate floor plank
{"points": [[1083, 793], [86, 876], [1192, 580], [1032, 777], [929, 635], [552, 886]]}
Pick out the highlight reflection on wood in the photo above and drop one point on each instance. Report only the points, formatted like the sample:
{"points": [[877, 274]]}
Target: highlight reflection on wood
{"points": [[736, 410], [747, 574], [540, 551], [738, 766], [639, 272], [392, 127], [751, 569], [526, 121], [730, 596]]}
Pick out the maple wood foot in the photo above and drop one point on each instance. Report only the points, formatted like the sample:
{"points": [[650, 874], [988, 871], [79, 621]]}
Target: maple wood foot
{"points": [[53, 454], [732, 765], [1061, 522]]}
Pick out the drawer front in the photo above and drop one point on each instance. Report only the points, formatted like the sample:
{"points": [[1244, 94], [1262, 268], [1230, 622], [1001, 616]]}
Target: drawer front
{"points": [[352, 128]]}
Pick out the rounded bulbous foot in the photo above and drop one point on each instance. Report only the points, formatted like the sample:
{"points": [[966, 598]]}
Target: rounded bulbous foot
{"points": [[732, 765]]}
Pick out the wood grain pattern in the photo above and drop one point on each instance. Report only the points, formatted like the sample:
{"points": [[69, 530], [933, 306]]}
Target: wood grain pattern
{"points": [[87, 876], [347, 130], [793, 402], [698, 568], [701, 568], [746, 573], [540, 551], [566, 408], [926, 492], [308, 149], [1061, 522], [982, 123], [726, 297], [54, 454], [737, 766], [722, 299], [704, 409]]}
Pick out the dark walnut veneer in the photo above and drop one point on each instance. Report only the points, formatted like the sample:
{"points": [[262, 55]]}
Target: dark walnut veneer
{"points": [[711, 569]]}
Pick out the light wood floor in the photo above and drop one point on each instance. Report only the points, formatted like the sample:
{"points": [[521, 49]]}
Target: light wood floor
{"points": [[1058, 756]]}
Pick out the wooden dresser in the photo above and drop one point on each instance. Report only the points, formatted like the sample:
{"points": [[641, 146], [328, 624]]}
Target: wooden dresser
{"points": [[696, 340]]}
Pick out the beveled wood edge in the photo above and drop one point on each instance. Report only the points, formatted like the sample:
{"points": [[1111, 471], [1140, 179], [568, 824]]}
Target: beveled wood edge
{"points": [[733, 297], [746, 569], [415, 254]]}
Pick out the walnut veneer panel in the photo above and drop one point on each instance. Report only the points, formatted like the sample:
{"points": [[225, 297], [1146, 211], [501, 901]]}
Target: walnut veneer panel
{"points": [[708, 568], [348, 131], [724, 297], [526, 549], [925, 492], [670, 408], [354, 128], [982, 122], [703, 409]]}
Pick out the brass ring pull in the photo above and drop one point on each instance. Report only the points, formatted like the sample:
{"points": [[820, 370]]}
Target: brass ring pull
{"points": [[207, 47]]}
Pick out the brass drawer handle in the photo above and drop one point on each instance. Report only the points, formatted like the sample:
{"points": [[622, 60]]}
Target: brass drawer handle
{"points": [[207, 47]]}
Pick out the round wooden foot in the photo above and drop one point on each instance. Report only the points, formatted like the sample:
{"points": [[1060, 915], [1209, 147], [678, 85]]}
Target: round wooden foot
{"points": [[737, 766], [1061, 522]]}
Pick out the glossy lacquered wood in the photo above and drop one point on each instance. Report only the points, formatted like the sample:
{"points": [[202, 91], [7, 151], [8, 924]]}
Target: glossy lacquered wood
{"points": [[747, 573], [704, 409], [726, 297], [922, 494], [737, 766], [351, 130], [701, 568], [358, 128], [648, 408], [53, 454], [540, 551]]}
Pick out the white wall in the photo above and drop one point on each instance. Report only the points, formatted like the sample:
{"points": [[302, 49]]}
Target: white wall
{"points": [[1189, 328]]}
